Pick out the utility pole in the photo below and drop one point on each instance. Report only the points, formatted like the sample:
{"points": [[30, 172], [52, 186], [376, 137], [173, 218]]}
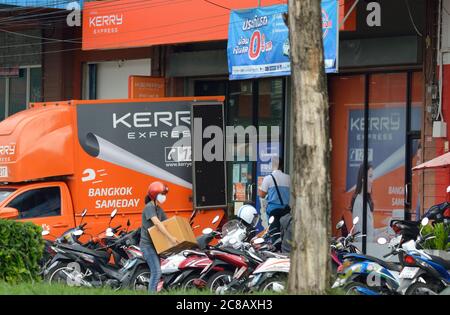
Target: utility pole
{"points": [[310, 259]]}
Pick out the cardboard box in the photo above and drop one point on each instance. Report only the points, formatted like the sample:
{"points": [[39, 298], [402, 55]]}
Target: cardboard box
{"points": [[180, 228]]}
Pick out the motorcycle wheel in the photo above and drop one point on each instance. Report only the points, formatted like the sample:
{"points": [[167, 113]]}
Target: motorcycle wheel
{"points": [[221, 278], [351, 288], [140, 279], [60, 274], [188, 283], [276, 283], [52, 271], [420, 288]]}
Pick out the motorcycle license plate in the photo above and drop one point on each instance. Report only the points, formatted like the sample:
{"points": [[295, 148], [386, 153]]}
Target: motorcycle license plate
{"points": [[409, 272]]}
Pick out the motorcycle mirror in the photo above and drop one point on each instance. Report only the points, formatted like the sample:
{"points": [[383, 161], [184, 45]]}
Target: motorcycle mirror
{"points": [[83, 214], [78, 232], [381, 241], [109, 232], [207, 231], [45, 232], [113, 213], [216, 218], [258, 241], [425, 221], [128, 222], [355, 220], [271, 219], [340, 224]]}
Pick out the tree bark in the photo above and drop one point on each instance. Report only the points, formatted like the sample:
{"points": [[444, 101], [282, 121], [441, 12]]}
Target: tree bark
{"points": [[310, 258]]}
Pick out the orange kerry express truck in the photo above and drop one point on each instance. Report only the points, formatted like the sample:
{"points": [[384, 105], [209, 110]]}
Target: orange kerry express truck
{"points": [[57, 159]]}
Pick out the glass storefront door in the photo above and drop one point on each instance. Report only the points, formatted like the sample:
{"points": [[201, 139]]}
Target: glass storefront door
{"points": [[258, 103], [386, 155], [376, 134]]}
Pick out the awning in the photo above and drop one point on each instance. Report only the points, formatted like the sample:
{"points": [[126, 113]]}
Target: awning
{"points": [[119, 24], [442, 161]]}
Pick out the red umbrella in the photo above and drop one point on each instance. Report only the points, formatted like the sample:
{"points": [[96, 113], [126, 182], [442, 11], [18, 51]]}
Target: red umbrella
{"points": [[442, 161]]}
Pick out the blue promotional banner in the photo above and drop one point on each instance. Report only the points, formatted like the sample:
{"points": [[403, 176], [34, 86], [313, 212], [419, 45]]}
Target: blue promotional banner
{"points": [[55, 4], [258, 41]]}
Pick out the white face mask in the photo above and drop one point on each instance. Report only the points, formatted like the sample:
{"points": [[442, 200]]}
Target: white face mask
{"points": [[161, 198]]}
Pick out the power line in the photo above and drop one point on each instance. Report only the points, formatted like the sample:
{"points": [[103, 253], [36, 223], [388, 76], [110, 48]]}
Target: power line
{"points": [[33, 9], [137, 6], [412, 20], [140, 39], [217, 5], [38, 37], [75, 40], [22, 8], [52, 40]]}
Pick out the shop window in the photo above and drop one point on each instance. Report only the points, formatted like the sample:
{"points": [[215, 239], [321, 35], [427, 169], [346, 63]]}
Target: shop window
{"points": [[37, 203], [387, 153], [375, 117], [18, 93], [36, 84], [249, 103], [2, 98]]}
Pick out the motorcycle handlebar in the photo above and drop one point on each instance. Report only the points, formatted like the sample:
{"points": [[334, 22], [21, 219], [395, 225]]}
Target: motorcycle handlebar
{"points": [[387, 255], [83, 225]]}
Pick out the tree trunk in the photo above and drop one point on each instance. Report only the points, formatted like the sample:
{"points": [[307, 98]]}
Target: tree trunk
{"points": [[310, 258]]}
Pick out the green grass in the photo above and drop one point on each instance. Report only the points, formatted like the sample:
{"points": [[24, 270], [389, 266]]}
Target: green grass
{"points": [[42, 288]]}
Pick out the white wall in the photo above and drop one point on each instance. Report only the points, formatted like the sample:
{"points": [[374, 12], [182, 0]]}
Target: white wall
{"points": [[112, 76]]}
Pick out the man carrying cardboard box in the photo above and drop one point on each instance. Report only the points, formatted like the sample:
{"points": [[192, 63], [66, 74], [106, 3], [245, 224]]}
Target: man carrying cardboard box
{"points": [[153, 215]]}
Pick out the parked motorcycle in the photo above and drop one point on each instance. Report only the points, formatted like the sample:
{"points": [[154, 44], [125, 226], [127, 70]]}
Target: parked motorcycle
{"points": [[181, 269], [371, 276], [425, 273], [89, 264]]}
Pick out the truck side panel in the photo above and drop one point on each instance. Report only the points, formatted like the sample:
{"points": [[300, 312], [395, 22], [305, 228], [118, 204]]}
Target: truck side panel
{"points": [[124, 146]]}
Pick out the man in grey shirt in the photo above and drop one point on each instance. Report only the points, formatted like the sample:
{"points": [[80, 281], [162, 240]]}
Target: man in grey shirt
{"points": [[152, 215]]}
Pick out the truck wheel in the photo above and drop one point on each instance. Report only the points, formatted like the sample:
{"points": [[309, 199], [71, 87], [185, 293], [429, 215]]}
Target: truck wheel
{"points": [[219, 279], [140, 280], [276, 283]]}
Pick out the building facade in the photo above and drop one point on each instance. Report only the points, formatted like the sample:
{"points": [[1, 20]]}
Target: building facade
{"points": [[383, 101]]}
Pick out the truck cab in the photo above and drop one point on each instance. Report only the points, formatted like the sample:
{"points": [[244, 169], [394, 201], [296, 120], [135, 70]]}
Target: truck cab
{"points": [[44, 203]]}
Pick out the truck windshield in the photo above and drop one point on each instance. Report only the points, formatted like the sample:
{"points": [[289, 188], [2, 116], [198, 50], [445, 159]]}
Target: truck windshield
{"points": [[5, 192]]}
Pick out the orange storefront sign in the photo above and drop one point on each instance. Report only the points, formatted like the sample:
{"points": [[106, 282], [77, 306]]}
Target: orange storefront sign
{"points": [[130, 23], [145, 87]]}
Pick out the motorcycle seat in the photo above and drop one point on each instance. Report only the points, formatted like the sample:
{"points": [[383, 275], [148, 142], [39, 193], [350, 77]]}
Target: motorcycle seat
{"points": [[232, 251], [441, 261], [386, 264], [79, 248]]}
